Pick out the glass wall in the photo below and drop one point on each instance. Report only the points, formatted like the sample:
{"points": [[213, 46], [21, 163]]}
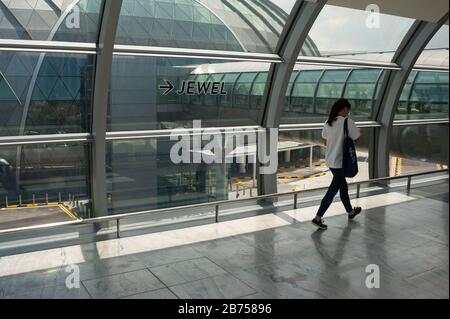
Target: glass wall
{"points": [[310, 95], [302, 92], [420, 148], [137, 103], [314, 89], [143, 175], [230, 25], [138, 99], [361, 91], [73, 21], [345, 33], [301, 157], [423, 148], [436, 52], [48, 93], [53, 171], [440, 40], [331, 88], [424, 96], [45, 93]]}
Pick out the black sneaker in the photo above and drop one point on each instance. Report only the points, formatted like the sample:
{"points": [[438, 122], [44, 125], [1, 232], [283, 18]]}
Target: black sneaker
{"points": [[355, 212], [320, 224]]}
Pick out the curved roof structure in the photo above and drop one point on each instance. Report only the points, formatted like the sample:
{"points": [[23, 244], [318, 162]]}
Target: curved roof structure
{"points": [[231, 25], [258, 24], [43, 20]]}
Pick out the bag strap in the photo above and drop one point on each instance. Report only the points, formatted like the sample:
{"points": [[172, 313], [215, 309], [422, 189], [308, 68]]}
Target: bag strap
{"points": [[346, 128]]}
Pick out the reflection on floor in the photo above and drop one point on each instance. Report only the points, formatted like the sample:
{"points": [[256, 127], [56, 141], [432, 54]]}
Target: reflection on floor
{"points": [[267, 256]]}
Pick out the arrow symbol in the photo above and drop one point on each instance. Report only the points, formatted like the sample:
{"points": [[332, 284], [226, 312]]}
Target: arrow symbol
{"points": [[168, 87]]}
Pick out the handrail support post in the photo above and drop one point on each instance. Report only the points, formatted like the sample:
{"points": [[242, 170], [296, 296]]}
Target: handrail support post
{"points": [[409, 184], [217, 213], [295, 200]]}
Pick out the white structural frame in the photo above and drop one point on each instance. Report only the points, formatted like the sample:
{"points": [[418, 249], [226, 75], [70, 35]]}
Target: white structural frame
{"points": [[103, 66], [295, 33]]}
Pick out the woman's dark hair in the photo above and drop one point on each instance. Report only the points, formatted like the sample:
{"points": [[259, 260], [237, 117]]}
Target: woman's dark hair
{"points": [[338, 106]]}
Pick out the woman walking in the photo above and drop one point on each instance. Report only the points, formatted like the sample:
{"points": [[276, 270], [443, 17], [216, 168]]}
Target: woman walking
{"points": [[333, 133]]}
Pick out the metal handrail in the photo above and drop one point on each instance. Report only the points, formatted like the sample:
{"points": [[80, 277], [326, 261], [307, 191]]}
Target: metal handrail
{"points": [[216, 205], [120, 49]]}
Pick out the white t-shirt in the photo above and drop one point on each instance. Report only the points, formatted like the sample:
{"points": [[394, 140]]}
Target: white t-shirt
{"points": [[335, 140]]}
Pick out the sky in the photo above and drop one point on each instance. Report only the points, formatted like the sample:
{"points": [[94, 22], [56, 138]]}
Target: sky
{"points": [[286, 5], [346, 30], [343, 30], [340, 29], [440, 40]]}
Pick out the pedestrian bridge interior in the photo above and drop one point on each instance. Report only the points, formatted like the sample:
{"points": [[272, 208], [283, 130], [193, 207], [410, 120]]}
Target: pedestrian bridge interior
{"points": [[85, 133], [268, 254]]}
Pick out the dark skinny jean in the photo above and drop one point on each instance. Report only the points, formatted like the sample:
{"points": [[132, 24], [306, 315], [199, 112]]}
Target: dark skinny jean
{"points": [[339, 183]]}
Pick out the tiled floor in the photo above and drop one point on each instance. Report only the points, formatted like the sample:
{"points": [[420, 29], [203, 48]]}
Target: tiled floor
{"points": [[278, 255]]}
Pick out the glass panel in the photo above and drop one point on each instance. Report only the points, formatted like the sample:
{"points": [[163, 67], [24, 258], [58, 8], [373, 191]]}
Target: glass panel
{"points": [[258, 90], [137, 101], [289, 89], [331, 87], [408, 85], [212, 100], [440, 39], [346, 33], [328, 91], [436, 53], [229, 81], [416, 149], [59, 171], [231, 25], [47, 93], [306, 83], [425, 96], [142, 176], [302, 160], [303, 91], [311, 100], [242, 89], [73, 21], [360, 90]]}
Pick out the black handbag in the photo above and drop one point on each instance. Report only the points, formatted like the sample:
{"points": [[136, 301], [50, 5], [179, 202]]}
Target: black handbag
{"points": [[350, 160]]}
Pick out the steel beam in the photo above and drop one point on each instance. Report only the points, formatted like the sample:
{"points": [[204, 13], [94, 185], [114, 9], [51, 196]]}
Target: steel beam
{"points": [[289, 47], [334, 62], [107, 34]]}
